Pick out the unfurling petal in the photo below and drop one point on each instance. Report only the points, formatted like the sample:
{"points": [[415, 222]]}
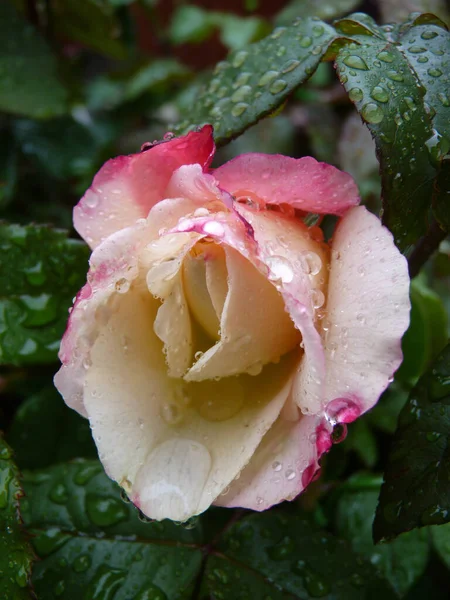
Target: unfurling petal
{"points": [[127, 187], [303, 183]]}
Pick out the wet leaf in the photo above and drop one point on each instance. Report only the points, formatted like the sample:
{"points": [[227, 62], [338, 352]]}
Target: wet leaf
{"points": [[16, 555], [384, 88], [324, 9], [427, 332], [403, 560], [90, 23], [254, 81], [29, 83], [416, 488], [87, 537], [44, 422], [40, 272]]}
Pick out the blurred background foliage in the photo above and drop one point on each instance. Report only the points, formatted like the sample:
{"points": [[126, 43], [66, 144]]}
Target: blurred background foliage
{"points": [[82, 81]]}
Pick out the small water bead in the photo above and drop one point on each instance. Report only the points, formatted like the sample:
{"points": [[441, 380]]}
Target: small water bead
{"points": [[311, 263], [380, 94], [277, 466], [434, 72], [290, 474], [317, 298], [280, 269], [267, 78], [385, 56], [428, 35], [242, 79], [416, 49], [255, 369], [241, 93], [290, 66], [198, 355], [372, 113], [395, 75], [278, 86], [356, 94], [122, 285], [239, 59], [422, 59], [239, 109], [305, 42]]}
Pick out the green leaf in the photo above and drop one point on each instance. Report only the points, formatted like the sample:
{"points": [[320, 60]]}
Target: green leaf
{"points": [[29, 83], [91, 23], [283, 552], [87, 536], [384, 88], [440, 537], [16, 555], [190, 24], [416, 490], [46, 144], [254, 81], [107, 92], [403, 560], [427, 332], [45, 431], [40, 272], [90, 541], [324, 9]]}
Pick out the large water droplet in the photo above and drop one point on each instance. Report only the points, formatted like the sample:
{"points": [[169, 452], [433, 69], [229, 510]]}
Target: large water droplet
{"points": [[239, 58], [239, 109], [104, 511], [280, 269], [372, 113], [355, 62], [356, 94], [241, 93], [278, 86], [380, 94], [267, 78]]}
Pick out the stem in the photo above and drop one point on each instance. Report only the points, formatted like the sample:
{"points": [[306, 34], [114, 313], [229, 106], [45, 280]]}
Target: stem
{"points": [[428, 244]]}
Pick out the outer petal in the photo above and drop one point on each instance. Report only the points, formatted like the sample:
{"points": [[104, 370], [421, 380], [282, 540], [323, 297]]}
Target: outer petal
{"points": [[303, 183], [368, 312], [282, 466], [126, 187]]}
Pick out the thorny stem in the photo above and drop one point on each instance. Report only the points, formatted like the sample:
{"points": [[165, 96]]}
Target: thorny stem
{"points": [[428, 244]]}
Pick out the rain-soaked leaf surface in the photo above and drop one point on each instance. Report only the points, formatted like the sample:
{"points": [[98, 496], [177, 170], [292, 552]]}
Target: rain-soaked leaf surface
{"points": [[16, 555], [43, 271], [44, 421], [25, 63], [254, 81], [403, 560], [416, 488], [386, 93], [89, 538], [324, 9]]}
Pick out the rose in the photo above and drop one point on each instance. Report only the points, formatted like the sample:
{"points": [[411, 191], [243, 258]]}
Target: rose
{"points": [[219, 339]]}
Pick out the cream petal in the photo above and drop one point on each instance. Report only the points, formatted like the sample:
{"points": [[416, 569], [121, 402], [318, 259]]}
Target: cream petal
{"points": [[255, 329], [129, 434], [282, 466], [368, 312]]}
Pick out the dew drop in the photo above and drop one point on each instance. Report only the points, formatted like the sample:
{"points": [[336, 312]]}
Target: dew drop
{"points": [[267, 78], [280, 269], [122, 285], [239, 58], [356, 94], [380, 94], [355, 62], [372, 113], [172, 413], [278, 86], [239, 109]]}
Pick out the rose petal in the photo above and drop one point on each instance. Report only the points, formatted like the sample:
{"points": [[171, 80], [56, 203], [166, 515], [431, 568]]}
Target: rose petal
{"points": [[303, 183], [282, 466], [298, 266], [126, 187], [255, 329], [368, 312], [172, 461]]}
